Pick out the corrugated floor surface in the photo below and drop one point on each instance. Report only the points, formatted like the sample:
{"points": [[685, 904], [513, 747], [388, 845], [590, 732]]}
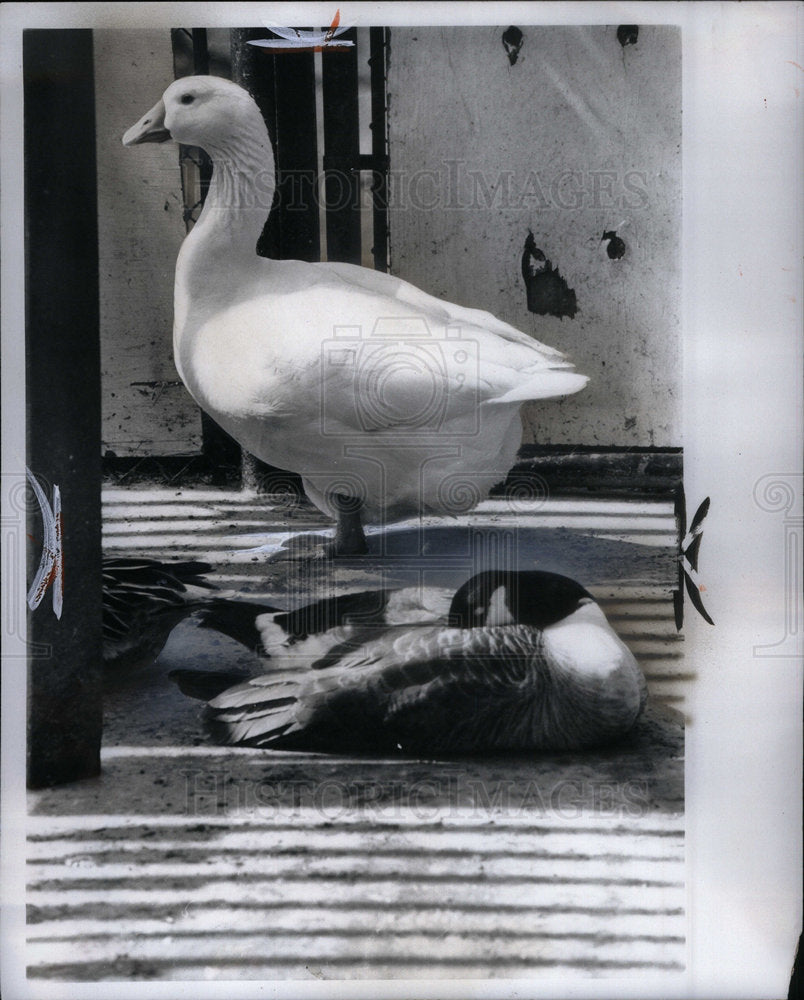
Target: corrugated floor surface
{"points": [[188, 861]]}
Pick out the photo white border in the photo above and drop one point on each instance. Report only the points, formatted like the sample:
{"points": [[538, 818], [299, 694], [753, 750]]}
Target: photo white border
{"points": [[742, 323]]}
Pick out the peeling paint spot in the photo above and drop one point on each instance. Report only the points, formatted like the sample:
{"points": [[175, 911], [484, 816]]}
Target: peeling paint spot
{"points": [[548, 293], [627, 34], [616, 245], [512, 40]]}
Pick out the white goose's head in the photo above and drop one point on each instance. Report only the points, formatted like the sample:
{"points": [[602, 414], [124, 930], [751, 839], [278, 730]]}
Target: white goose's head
{"points": [[206, 111]]}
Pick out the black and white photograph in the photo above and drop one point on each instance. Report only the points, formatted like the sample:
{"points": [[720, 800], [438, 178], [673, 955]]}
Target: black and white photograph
{"points": [[402, 499]]}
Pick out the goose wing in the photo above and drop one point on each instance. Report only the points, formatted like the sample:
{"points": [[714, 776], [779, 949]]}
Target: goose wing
{"points": [[403, 291], [364, 358], [423, 690], [440, 690], [510, 365], [458, 690]]}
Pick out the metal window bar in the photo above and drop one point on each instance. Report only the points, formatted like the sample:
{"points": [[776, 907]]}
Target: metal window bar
{"points": [[378, 46], [339, 86], [195, 165]]}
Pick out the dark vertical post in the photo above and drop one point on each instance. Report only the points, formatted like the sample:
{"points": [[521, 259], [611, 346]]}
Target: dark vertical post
{"points": [[200, 51], [378, 43], [297, 156], [341, 151], [63, 397]]}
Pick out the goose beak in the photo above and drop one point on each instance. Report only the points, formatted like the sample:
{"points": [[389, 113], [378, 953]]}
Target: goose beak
{"points": [[150, 128]]}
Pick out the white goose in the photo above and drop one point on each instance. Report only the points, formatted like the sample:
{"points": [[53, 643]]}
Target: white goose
{"points": [[380, 395]]}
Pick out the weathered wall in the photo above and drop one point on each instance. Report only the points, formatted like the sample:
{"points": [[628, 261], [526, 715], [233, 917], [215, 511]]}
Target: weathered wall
{"points": [[140, 231], [580, 136]]}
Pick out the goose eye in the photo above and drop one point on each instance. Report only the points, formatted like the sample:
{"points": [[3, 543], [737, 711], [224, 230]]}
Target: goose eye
{"points": [[187, 98]]}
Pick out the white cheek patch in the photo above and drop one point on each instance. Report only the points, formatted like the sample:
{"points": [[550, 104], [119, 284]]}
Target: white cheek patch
{"points": [[498, 612]]}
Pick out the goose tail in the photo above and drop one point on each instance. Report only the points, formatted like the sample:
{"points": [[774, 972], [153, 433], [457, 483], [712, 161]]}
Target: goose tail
{"points": [[546, 384], [259, 712]]}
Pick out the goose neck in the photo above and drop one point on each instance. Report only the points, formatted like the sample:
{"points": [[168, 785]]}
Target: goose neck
{"points": [[240, 195]]}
